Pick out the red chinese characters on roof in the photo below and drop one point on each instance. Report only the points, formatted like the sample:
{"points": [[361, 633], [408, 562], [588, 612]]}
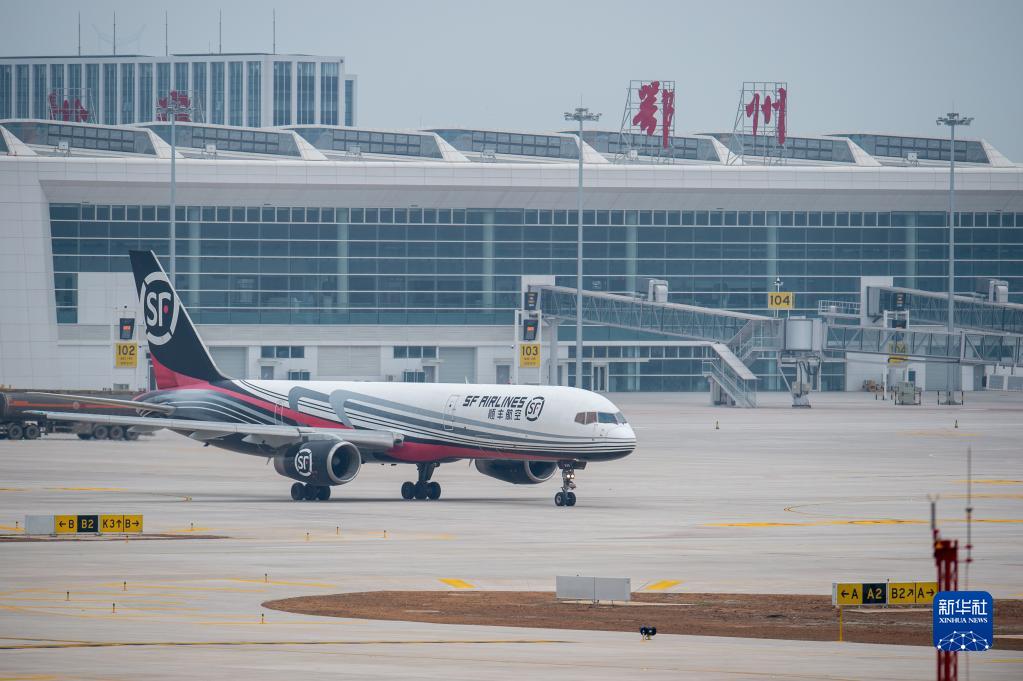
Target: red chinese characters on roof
{"points": [[176, 100], [755, 108], [646, 117], [65, 111]]}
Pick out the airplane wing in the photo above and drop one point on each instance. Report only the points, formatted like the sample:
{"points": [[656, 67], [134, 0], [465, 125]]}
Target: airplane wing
{"points": [[255, 433], [79, 401]]}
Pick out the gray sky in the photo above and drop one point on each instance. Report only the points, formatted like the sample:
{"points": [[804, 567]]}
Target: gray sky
{"points": [[870, 66]]}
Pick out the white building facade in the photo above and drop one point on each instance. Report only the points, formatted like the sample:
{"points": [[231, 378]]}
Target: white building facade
{"points": [[330, 252]]}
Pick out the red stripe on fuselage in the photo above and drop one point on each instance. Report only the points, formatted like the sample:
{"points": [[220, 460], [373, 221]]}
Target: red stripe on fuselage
{"points": [[281, 411]]}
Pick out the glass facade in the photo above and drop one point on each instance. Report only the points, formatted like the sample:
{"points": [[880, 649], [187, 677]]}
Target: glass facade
{"points": [[82, 137], [306, 95], [21, 106], [127, 93], [925, 148], [146, 108], [349, 102], [6, 91], [358, 265], [217, 92], [57, 82], [688, 148], [249, 141], [328, 93], [235, 87], [515, 144], [809, 148], [92, 84], [282, 93], [163, 80], [366, 141], [199, 92], [110, 94], [255, 99], [181, 76], [40, 108], [74, 83]]}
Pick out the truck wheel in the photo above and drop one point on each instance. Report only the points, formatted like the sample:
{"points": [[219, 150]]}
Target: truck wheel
{"points": [[100, 432], [116, 433], [15, 431], [31, 431], [131, 435]]}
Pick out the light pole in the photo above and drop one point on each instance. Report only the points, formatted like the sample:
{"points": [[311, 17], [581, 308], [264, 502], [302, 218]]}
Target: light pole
{"points": [[580, 114], [176, 104], [952, 119]]}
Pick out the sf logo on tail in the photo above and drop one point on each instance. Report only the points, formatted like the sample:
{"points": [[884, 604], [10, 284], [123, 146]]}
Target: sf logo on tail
{"points": [[160, 308]]}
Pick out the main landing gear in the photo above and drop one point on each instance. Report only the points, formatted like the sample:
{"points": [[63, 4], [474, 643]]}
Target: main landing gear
{"points": [[303, 492], [423, 489], [566, 497]]}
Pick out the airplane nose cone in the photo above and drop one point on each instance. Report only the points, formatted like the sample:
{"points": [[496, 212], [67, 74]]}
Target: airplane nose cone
{"points": [[622, 433]]}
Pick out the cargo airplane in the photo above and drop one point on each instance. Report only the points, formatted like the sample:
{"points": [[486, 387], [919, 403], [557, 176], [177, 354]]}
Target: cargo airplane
{"points": [[320, 433]]}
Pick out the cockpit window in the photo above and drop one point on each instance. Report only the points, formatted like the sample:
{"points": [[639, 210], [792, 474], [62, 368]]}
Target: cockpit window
{"points": [[588, 417]]}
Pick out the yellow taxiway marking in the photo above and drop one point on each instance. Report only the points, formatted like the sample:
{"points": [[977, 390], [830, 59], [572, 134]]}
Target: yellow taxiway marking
{"points": [[662, 585], [13, 489], [880, 521], [273, 582], [9, 528], [458, 584]]}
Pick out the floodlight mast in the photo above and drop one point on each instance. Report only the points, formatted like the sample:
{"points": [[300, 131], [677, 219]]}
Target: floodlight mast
{"points": [[952, 119], [170, 110], [580, 114]]}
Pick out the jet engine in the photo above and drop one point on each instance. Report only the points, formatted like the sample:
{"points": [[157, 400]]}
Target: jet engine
{"points": [[320, 462], [517, 472]]}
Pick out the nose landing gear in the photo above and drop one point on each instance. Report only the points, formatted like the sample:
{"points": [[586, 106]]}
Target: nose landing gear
{"points": [[566, 497], [423, 488]]}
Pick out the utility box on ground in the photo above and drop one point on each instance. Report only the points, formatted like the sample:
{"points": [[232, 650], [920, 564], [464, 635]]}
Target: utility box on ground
{"points": [[593, 589]]}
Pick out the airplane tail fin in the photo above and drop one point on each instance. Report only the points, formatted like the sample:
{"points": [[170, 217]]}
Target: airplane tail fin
{"points": [[179, 356]]}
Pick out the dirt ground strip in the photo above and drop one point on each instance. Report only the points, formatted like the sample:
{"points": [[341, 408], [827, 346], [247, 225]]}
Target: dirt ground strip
{"points": [[805, 618]]}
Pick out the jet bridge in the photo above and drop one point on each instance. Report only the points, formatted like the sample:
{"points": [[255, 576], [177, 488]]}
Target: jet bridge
{"points": [[928, 307], [738, 339]]}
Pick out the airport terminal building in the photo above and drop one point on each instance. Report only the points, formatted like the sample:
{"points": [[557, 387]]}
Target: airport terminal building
{"points": [[325, 251]]}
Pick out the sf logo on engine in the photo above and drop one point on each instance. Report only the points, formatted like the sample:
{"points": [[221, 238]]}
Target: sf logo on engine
{"points": [[160, 308], [533, 408], [304, 462]]}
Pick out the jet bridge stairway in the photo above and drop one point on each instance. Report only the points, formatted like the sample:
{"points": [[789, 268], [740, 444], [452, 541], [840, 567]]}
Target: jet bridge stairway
{"points": [[736, 338]]}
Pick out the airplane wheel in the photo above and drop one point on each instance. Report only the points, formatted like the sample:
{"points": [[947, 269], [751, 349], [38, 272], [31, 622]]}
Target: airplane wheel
{"points": [[116, 433], [31, 431], [433, 490], [421, 490], [310, 492], [297, 492], [14, 432], [559, 499], [323, 493], [100, 432], [569, 498], [408, 490]]}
